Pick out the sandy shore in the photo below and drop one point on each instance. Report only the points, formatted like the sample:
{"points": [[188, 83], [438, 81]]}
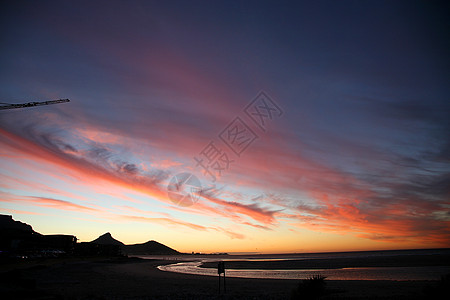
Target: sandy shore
{"points": [[140, 279]]}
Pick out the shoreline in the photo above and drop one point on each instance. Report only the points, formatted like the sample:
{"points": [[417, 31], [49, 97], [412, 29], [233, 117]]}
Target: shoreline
{"points": [[339, 263], [132, 278]]}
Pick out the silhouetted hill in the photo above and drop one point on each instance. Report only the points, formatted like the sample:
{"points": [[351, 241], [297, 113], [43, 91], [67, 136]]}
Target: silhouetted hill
{"points": [[149, 248], [7, 223], [13, 233], [19, 239], [107, 239]]}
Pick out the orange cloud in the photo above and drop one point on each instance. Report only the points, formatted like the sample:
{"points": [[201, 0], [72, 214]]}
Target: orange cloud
{"points": [[392, 223]]}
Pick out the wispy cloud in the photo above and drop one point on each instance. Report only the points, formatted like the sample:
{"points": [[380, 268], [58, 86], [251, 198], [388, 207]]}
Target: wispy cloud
{"points": [[49, 203], [253, 210], [176, 222]]}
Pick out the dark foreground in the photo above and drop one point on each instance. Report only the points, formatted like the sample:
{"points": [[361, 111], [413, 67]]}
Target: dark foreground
{"points": [[127, 278]]}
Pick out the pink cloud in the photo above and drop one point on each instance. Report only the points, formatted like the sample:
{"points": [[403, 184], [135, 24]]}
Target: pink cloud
{"points": [[177, 222], [49, 203], [253, 211], [22, 212], [167, 221]]}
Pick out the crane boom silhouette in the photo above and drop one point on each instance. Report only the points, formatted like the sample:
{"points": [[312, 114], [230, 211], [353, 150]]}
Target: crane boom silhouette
{"points": [[31, 104]]}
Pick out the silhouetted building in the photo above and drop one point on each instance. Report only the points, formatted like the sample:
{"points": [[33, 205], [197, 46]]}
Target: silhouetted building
{"points": [[93, 249], [57, 242]]}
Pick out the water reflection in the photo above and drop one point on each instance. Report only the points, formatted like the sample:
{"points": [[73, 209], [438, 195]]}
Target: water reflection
{"points": [[384, 273]]}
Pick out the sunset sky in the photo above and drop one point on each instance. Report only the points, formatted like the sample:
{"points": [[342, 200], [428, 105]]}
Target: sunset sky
{"points": [[354, 153]]}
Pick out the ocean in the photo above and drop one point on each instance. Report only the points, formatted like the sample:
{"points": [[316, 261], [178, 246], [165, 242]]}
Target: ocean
{"points": [[424, 264]]}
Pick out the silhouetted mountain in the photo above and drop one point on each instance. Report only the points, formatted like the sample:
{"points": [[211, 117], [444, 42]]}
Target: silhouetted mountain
{"points": [[19, 239], [13, 233], [7, 223], [149, 248], [107, 239]]}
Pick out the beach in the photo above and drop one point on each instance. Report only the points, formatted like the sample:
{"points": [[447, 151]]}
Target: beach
{"points": [[133, 278]]}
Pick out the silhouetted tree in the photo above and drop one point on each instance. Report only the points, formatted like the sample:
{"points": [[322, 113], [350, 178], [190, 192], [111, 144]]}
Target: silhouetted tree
{"points": [[311, 288]]}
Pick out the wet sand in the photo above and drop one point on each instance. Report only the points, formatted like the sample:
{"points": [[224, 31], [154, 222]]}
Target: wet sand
{"points": [[140, 279]]}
